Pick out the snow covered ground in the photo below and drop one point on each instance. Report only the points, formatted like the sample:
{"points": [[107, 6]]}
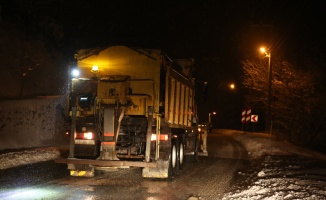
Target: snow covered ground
{"points": [[278, 170], [277, 178]]}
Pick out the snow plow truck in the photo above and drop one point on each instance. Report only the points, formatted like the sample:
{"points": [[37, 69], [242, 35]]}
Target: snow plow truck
{"points": [[131, 107]]}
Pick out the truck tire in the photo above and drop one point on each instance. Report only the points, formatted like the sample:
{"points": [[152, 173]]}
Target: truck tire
{"points": [[174, 161], [181, 155]]}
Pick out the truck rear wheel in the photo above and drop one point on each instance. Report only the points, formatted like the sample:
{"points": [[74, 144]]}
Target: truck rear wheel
{"points": [[181, 153], [174, 161]]}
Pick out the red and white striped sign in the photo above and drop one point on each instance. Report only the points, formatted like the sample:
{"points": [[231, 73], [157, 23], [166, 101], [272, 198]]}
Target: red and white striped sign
{"points": [[243, 118], [248, 115]]}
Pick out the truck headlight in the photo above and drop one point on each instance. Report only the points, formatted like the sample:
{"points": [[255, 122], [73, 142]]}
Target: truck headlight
{"points": [[75, 73]]}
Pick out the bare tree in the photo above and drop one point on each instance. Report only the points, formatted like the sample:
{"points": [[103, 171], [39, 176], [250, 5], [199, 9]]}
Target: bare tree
{"points": [[294, 98]]}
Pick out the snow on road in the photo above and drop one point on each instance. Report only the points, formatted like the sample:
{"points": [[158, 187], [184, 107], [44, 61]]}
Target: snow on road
{"points": [[268, 179]]}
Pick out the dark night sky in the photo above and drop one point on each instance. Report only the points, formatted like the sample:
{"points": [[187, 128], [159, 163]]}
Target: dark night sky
{"points": [[218, 34], [182, 28], [201, 29], [229, 30]]}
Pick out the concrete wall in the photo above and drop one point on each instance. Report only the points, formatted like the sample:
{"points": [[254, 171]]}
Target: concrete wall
{"points": [[28, 123]]}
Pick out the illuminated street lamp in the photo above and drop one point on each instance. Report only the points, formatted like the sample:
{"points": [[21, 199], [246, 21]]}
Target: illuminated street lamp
{"points": [[232, 86], [269, 103]]}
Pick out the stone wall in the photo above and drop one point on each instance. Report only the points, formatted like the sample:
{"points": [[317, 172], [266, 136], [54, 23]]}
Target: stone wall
{"points": [[28, 123]]}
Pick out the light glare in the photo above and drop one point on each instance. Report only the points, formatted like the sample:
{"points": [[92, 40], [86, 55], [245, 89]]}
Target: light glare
{"points": [[75, 73], [29, 193], [95, 69]]}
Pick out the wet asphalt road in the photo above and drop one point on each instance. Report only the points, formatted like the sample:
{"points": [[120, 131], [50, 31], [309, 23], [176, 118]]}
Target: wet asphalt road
{"points": [[209, 178]]}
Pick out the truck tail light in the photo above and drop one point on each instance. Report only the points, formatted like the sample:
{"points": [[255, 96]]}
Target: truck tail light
{"points": [[85, 136], [164, 137], [88, 135]]}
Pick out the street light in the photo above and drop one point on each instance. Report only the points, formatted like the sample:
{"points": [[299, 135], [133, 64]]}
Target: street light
{"points": [[269, 101], [232, 86]]}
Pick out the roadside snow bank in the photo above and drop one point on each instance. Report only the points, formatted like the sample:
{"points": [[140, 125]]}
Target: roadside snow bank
{"points": [[15, 159], [261, 144]]}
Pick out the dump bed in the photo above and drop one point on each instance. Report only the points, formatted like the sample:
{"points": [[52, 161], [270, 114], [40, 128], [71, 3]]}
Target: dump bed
{"points": [[151, 73]]}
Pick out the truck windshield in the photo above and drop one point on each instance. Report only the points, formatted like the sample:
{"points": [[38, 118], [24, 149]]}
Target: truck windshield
{"points": [[82, 87]]}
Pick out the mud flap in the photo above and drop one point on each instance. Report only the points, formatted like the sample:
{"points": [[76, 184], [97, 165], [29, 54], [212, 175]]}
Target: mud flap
{"points": [[161, 171], [81, 170]]}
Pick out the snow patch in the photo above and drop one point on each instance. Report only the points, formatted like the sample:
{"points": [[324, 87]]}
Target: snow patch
{"points": [[15, 159], [261, 174]]}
